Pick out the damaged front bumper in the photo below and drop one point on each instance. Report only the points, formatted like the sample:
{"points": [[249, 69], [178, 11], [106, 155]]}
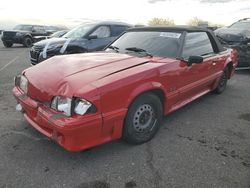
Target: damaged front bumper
{"points": [[74, 133], [243, 55]]}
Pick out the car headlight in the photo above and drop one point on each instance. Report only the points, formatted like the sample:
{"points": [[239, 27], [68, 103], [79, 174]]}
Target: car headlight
{"points": [[69, 106], [23, 83], [62, 104], [82, 106], [53, 47]]}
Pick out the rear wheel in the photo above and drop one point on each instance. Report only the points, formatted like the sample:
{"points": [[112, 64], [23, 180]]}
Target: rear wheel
{"points": [[7, 44], [27, 42], [223, 82], [143, 119]]}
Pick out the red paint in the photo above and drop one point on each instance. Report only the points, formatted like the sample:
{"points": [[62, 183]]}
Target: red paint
{"points": [[111, 81]]}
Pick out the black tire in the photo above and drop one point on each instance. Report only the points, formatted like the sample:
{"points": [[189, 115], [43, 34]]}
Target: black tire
{"points": [[7, 44], [27, 42], [143, 119], [223, 82]]}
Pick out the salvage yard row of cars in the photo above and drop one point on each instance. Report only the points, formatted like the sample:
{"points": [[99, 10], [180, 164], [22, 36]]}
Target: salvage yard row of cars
{"points": [[85, 38], [86, 99], [96, 36]]}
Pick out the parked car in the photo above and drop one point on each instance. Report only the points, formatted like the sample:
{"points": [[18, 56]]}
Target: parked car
{"points": [[237, 36], [23, 34], [85, 38], [83, 100], [57, 34]]}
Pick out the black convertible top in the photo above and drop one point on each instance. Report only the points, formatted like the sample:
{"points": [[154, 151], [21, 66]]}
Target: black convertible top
{"points": [[179, 28], [215, 42]]}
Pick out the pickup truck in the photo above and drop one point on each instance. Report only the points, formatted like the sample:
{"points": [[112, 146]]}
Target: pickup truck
{"points": [[23, 34], [83, 100]]}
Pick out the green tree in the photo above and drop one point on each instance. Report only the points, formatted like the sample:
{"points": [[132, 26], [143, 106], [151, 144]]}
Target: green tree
{"points": [[161, 22]]}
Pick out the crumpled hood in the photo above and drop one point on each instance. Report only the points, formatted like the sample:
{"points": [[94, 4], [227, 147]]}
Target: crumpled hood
{"points": [[69, 74], [57, 41], [233, 34], [51, 41]]}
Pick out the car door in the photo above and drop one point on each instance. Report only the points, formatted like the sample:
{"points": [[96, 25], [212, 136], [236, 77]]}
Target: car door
{"points": [[197, 79], [100, 38]]}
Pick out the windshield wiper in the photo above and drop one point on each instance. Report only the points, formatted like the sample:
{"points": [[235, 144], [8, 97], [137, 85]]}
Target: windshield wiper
{"points": [[114, 48], [135, 49]]}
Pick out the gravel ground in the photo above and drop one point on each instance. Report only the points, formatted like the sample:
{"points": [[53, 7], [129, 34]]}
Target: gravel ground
{"points": [[204, 144]]}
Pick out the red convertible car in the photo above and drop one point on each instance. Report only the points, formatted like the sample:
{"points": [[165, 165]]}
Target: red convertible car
{"points": [[84, 100]]}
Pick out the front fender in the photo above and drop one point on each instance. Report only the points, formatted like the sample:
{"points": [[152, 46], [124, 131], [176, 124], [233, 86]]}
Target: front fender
{"points": [[233, 58], [146, 87], [27, 35]]}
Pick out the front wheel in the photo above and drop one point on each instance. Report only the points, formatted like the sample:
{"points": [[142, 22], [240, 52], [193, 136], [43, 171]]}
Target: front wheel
{"points": [[27, 42], [143, 119], [222, 82]]}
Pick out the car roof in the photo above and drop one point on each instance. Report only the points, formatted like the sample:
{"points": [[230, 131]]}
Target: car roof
{"points": [[112, 23], [31, 25], [244, 20], [170, 28], [181, 29]]}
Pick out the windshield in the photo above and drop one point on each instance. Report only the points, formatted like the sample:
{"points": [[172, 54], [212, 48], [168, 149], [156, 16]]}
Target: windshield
{"points": [[241, 25], [23, 27], [78, 32], [162, 44]]}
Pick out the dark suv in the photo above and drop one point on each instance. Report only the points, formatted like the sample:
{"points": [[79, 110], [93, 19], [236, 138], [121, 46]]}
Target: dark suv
{"points": [[237, 36], [84, 38], [23, 34]]}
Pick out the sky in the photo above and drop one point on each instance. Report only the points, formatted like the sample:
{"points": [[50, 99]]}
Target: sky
{"points": [[74, 12]]}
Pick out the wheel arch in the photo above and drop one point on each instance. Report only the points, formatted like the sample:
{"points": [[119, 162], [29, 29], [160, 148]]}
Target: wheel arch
{"points": [[155, 88], [230, 67], [28, 35]]}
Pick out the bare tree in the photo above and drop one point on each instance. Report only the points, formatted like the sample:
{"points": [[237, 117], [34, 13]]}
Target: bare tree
{"points": [[161, 22], [195, 21]]}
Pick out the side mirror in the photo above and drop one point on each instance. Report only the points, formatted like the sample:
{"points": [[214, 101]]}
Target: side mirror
{"points": [[90, 37], [194, 59]]}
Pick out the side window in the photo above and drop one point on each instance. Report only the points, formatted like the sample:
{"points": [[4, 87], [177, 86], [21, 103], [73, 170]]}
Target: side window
{"points": [[197, 43], [38, 29], [118, 29], [102, 32]]}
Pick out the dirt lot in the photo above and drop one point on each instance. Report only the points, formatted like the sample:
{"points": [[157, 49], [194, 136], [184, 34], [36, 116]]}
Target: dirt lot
{"points": [[204, 144]]}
